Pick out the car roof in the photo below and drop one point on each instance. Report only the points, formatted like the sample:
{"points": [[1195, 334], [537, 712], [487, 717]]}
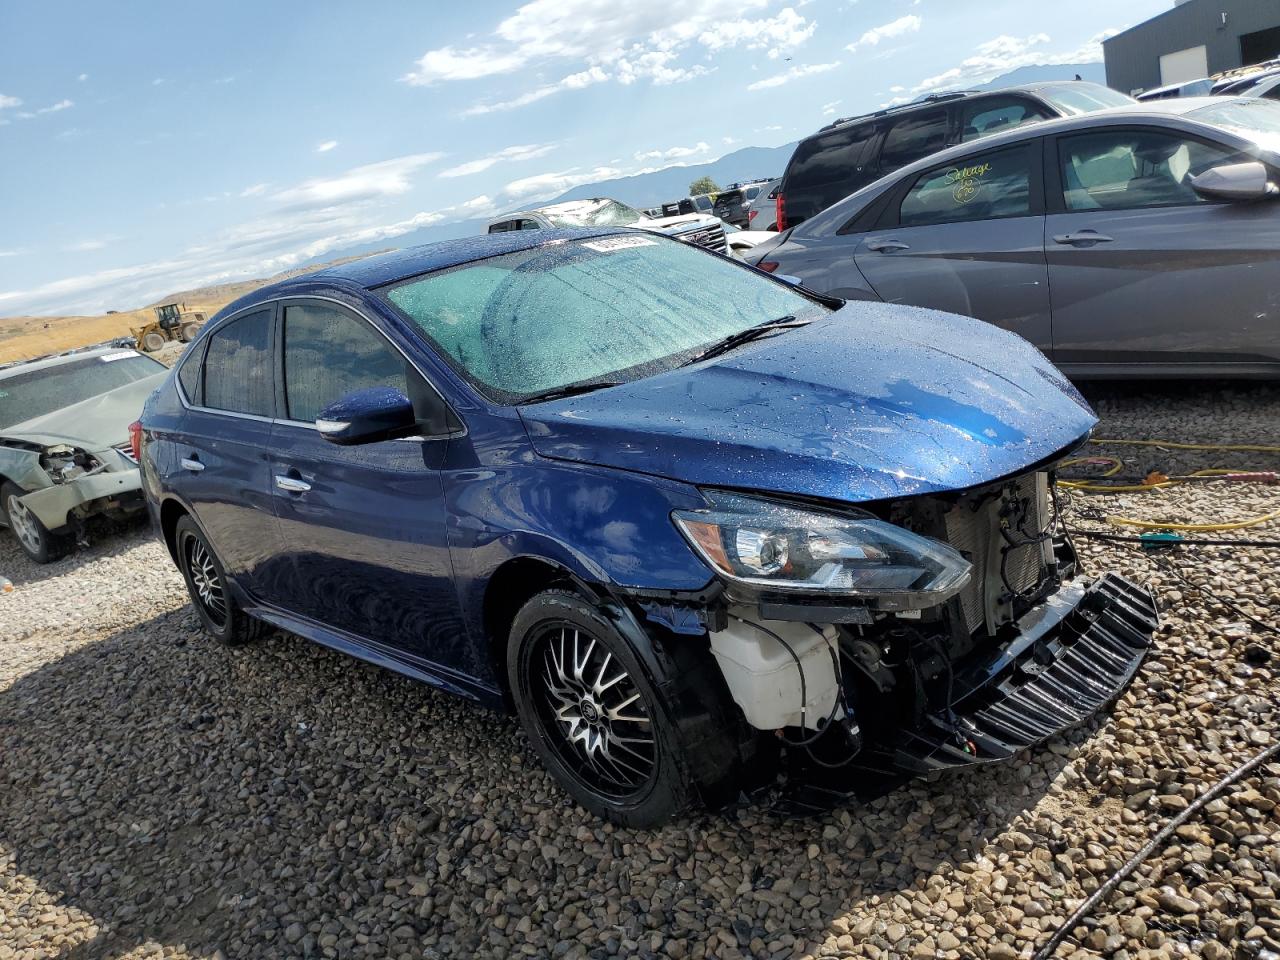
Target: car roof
{"points": [[44, 363], [1152, 109], [1172, 109], [934, 99], [409, 262]]}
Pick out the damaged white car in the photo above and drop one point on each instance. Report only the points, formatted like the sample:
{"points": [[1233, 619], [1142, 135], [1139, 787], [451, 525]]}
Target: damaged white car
{"points": [[66, 453]]}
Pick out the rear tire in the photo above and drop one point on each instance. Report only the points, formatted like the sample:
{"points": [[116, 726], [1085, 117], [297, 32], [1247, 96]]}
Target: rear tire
{"points": [[592, 713], [33, 536], [153, 342], [207, 584], [188, 332]]}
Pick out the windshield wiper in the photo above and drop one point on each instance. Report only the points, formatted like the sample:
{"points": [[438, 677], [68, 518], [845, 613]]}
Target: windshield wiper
{"points": [[569, 390], [746, 336]]}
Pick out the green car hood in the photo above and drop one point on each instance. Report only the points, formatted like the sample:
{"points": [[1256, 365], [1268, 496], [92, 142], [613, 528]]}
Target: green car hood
{"points": [[94, 424]]}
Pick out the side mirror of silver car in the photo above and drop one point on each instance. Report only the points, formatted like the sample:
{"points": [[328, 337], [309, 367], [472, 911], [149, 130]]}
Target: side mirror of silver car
{"points": [[1235, 182]]}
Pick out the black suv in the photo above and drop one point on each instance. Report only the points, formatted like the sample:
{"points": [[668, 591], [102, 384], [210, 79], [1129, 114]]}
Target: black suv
{"points": [[848, 154], [731, 204]]}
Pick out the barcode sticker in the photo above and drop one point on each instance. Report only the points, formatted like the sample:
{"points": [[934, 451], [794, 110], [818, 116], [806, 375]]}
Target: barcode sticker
{"points": [[611, 244], [122, 355]]}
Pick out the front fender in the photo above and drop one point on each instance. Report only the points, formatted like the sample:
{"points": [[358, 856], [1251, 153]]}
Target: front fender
{"points": [[22, 467], [609, 528]]}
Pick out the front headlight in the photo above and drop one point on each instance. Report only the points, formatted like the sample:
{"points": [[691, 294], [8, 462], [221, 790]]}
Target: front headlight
{"points": [[773, 546]]}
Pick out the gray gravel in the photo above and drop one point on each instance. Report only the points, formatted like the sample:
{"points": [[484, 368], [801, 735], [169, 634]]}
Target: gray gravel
{"points": [[162, 796]]}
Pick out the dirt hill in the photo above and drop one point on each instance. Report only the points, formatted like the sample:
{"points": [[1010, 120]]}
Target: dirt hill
{"points": [[23, 337]]}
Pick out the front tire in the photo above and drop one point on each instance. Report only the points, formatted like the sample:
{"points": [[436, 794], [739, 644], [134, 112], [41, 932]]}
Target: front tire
{"points": [[33, 536], [207, 585], [592, 713]]}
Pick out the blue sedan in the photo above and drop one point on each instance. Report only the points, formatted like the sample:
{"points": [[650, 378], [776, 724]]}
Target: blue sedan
{"points": [[704, 532]]}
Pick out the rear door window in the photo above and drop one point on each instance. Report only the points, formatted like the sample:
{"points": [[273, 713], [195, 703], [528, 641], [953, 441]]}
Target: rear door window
{"points": [[984, 187], [329, 353], [988, 115], [827, 168], [913, 136], [237, 366]]}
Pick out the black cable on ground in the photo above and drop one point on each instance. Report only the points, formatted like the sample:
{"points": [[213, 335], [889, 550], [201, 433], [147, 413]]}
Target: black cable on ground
{"points": [[1132, 864], [1188, 542], [1229, 604]]}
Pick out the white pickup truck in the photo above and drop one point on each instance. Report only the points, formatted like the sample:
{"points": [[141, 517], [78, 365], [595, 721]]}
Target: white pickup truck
{"points": [[698, 228]]}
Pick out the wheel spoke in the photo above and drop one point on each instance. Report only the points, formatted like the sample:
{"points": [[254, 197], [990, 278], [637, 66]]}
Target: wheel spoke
{"points": [[577, 672]]}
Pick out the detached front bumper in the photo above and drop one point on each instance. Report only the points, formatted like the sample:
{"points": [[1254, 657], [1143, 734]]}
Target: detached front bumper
{"points": [[55, 504], [1073, 655], [1052, 669]]}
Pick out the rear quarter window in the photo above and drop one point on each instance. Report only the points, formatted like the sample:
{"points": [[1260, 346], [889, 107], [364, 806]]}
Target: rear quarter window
{"points": [[827, 168]]}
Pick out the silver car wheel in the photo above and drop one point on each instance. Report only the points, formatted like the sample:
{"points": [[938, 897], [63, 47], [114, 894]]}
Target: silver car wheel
{"points": [[593, 708], [24, 524], [205, 582]]}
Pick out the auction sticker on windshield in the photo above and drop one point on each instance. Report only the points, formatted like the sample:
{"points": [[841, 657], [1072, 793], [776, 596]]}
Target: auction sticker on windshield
{"points": [[122, 355], [618, 243]]}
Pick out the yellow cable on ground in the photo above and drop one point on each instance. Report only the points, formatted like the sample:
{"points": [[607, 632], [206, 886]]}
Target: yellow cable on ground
{"points": [[1197, 527], [1116, 466], [1190, 446]]}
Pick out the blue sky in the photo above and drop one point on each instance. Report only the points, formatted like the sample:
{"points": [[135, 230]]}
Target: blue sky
{"points": [[150, 147]]}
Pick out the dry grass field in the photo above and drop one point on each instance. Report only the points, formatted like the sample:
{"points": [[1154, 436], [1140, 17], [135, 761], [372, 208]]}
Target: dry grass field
{"points": [[24, 337]]}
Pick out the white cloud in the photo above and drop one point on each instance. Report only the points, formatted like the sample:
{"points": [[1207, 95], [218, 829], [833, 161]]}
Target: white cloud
{"points": [[728, 141], [326, 146], [83, 77], [257, 190], [829, 108], [157, 81], [258, 247], [887, 31], [386, 178], [84, 246], [612, 41], [505, 155], [575, 81], [56, 107], [447, 63], [1004, 53], [11, 253], [547, 184], [674, 153], [779, 34], [795, 73], [7, 101]]}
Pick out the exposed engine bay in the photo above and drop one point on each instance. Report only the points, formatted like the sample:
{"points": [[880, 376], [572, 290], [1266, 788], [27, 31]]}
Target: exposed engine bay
{"points": [[1018, 651]]}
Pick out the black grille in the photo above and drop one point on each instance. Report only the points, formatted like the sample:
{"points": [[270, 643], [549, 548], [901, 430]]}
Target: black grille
{"points": [[711, 237]]}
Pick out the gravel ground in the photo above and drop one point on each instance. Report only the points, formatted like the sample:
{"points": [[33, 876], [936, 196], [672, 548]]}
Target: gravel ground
{"points": [[161, 796]]}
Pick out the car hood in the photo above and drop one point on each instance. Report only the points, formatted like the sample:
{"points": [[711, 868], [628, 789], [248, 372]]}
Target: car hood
{"points": [[873, 401], [94, 424]]}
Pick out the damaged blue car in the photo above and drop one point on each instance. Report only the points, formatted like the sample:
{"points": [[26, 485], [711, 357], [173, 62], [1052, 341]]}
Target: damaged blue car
{"points": [[708, 534]]}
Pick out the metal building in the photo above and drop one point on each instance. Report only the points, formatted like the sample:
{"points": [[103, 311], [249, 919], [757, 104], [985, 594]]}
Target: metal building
{"points": [[1193, 39]]}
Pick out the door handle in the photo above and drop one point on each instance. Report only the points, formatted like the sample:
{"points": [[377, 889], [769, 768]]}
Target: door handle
{"points": [[1085, 238], [292, 484], [887, 246], [192, 464]]}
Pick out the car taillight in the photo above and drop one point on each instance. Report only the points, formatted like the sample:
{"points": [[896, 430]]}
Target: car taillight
{"points": [[751, 215], [135, 440], [781, 210], [768, 266]]}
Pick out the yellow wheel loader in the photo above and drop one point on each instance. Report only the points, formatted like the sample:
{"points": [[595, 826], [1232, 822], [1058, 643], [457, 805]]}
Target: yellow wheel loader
{"points": [[173, 322]]}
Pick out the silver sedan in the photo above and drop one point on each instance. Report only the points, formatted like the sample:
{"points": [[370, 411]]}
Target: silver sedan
{"points": [[1138, 241]]}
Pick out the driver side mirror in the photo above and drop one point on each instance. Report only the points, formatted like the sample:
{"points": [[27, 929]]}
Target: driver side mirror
{"points": [[1238, 182], [368, 415]]}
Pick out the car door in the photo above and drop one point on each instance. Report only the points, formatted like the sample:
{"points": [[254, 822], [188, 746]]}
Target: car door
{"points": [[1144, 270], [223, 446], [364, 525], [967, 237]]}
